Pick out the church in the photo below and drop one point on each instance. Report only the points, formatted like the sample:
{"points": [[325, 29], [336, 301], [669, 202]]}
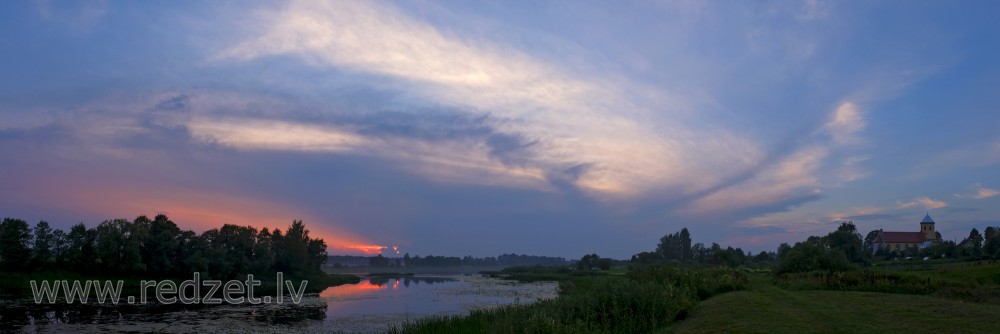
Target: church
{"points": [[900, 241]]}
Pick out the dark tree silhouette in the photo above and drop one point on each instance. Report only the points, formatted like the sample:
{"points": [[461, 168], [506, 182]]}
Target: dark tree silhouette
{"points": [[158, 247], [14, 241]]}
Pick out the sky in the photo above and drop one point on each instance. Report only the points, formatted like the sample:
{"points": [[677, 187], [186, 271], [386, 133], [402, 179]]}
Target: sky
{"points": [[457, 128]]}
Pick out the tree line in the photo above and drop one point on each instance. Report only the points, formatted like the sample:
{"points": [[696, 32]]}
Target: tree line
{"points": [[984, 245], [677, 248], [158, 247], [844, 249]]}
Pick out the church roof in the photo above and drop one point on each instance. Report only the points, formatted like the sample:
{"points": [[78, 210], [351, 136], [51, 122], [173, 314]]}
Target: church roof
{"points": [[901, 237], [927, 219]]}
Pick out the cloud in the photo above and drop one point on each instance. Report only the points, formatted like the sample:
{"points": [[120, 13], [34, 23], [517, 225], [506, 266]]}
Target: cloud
{"points": [[791, 222], [797, 176], [983, 192], [850, 169], [570, 118], [845, 124], [979, 192], [925, 202], [792, 177], [274, 135], [449, 161]]}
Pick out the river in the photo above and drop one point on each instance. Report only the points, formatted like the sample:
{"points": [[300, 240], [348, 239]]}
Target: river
{"points": [[371, 306]]}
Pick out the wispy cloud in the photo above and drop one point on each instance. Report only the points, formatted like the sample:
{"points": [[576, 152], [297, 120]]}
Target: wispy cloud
{"points": [[979, 192], [274, 135], [797, 176], [846, 123], [573, 119], [791, 222], [851, 170], [449, 161], [791, 178], [925, 202]]}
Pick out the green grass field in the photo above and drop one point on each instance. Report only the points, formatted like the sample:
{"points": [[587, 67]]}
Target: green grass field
{"points": [[766, 308], [952, 298]]}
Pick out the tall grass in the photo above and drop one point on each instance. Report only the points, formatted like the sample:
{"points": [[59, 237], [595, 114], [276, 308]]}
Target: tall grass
{"points": [[643, 300], [975, 283]]}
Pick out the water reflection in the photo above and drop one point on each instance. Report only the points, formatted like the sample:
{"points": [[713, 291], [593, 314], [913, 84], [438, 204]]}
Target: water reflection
{"points": [[382, 281], [27, 317], [373, 305], [378, 303]]}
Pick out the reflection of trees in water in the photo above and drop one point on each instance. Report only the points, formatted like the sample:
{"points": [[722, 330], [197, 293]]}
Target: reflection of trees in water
{"points": [[382, 281], [16, 316]]}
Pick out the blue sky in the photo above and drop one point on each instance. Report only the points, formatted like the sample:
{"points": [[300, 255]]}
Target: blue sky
{"points": [[456, 127]]}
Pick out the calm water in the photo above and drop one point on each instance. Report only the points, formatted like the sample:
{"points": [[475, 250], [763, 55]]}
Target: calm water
{"points": [[371, 306]]}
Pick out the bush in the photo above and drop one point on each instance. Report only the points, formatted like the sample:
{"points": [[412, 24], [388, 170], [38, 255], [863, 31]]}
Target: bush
{"points": [[806, 257]]}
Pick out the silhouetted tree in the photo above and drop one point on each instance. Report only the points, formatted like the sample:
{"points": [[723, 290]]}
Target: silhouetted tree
{"points": [[160, 248], [237, 245], [783, 249], [41, 251], [991, 242], [806, 256], [588, 262], [604, 263], [263, 253], [60, 247], [14, 244], [193, 253], [869, 241], [676, 246], [847, 240], [119, 245], [699, 253], [161, 251], [378, 261], [292, 250], [81, 250], [974, 243]]}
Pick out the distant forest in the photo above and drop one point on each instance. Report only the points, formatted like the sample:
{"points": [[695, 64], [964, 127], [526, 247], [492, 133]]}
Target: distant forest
{"points": [[840, 250], [504, 260], [156, 247]]}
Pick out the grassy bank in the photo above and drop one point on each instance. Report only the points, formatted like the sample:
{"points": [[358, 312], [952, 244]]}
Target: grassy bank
{"points": [[542, 273], [977, 282], [642, 300], [766, 308], [953, 298]]}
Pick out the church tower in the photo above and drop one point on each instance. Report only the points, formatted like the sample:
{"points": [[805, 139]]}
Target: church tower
{"points": [[927, 227]]}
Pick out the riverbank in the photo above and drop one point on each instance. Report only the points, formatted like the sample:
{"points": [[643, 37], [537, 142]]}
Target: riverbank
{"points": [[962, 297], [768, 308], [943, 298], [18, 285], [642, 300]]}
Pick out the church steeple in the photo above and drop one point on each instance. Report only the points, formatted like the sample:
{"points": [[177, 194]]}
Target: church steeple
{"points": [[927, 226]]}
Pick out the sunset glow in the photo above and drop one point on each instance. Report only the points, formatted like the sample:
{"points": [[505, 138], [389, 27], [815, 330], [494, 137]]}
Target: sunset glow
{"points": [[366, 249], [484, 128]]}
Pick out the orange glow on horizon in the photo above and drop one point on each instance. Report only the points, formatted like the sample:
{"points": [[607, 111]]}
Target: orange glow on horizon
{"points": [[351, 289], [363, 248], [192, 209]]}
